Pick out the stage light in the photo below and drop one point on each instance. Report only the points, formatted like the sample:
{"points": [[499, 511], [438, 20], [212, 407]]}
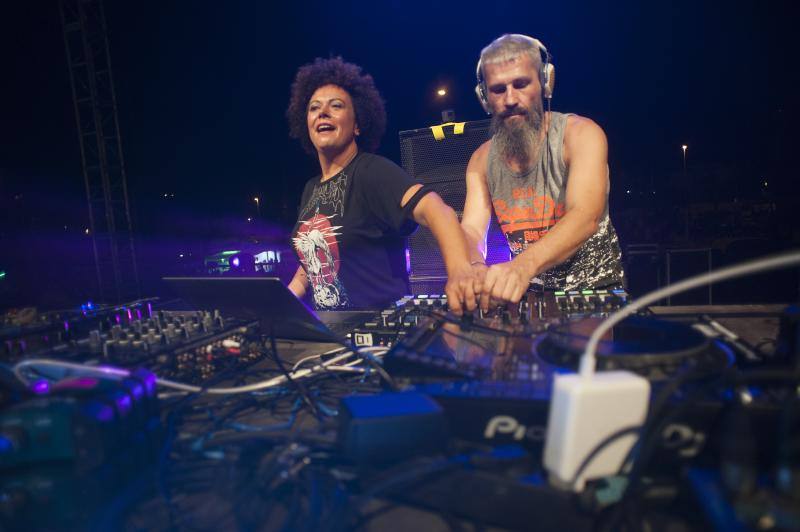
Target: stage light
{"points": [[683, 147], [40, 387], [240, 264], [86, 231], [442, 92]]}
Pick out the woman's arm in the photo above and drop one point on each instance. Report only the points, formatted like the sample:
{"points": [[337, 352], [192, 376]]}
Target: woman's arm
{"points": [[437, 216], [299, 283]]}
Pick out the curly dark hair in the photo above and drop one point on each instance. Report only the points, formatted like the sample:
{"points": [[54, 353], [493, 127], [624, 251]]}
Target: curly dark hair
{"points": [[367, 101]]}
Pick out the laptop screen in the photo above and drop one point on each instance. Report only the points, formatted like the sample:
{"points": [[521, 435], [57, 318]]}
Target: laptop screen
{"points": [[263, 298]]}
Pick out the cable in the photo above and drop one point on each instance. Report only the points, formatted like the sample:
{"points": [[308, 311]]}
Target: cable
{"points": [[297, 384], [658, 404], [368, 358], [653, 427], [605, 442], [106, 371], [588, 363], [310, 357], [378, 350], [113, 372]]}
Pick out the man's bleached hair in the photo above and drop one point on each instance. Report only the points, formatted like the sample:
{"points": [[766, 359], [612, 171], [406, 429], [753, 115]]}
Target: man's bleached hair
{"points": [[509, 47]]}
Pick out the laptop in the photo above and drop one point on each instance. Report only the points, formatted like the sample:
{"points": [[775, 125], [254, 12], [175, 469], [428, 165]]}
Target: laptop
{"points": [[259, 298]]}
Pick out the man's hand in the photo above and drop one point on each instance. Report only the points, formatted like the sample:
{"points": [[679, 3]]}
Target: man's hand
{"points": [[462, 288], [505, 282]]}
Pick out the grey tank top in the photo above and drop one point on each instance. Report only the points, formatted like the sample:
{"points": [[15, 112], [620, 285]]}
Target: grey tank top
{"points": [[529, 203]]}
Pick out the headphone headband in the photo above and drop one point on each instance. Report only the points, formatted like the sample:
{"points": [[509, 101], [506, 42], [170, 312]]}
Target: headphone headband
{"points": [[546, 73]]}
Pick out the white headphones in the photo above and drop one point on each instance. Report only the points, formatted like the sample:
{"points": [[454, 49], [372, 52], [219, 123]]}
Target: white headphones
{"points": [[546, 74]]}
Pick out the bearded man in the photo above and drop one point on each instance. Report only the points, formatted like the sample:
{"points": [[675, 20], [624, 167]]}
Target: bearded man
{"points": [[545, 175]]}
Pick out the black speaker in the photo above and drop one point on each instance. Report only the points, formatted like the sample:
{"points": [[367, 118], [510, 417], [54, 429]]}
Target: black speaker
{"points": [[442, 166], [682, 263], [644, 268]]}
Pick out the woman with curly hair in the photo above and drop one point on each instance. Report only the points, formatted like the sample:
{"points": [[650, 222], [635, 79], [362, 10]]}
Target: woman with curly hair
{"points": [[355, 216]]}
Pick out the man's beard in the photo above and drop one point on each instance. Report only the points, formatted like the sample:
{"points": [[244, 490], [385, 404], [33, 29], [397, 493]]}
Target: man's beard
{"points": [[518, 141]]}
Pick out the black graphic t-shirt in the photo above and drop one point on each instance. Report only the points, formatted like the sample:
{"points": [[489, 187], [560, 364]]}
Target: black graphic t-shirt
{"points": [[351, 233]]}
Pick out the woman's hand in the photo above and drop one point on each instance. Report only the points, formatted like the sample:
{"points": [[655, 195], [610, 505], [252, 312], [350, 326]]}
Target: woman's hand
{"points": [[463, 287]]}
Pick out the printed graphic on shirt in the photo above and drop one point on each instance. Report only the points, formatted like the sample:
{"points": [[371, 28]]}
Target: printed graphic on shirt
{"points": [[528, 218], [318, 249], [331, 193]]}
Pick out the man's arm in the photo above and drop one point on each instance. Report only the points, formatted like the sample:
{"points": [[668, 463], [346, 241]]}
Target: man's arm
{"points": [[586, 154], [299, 283], [437, 216]]}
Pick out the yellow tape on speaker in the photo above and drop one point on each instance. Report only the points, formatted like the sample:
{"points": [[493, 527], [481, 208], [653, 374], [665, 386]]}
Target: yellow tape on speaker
{"points": [[438, 131]]}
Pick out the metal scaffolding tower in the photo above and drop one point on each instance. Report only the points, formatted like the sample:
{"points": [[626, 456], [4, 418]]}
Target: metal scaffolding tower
{"points": [[84, 26]]}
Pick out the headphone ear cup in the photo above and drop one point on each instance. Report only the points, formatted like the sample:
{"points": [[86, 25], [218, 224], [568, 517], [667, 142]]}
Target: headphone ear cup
{"points": [[549, 80], [482, 98]]}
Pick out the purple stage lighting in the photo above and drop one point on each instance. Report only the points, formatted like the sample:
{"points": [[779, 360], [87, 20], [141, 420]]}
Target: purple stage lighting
{"points": [[99, 411], [149, 380], [76, 383], [6, 445], [41, 387], [137, 390], [124, 403]]}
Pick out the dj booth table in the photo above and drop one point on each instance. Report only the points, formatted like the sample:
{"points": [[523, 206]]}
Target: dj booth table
{"points": [[280, 457]]}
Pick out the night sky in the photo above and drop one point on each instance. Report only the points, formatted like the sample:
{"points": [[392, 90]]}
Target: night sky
{"points": [[202, 89]]}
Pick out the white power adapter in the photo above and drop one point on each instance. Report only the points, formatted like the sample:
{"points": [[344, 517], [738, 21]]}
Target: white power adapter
{"points": [[585, 410]]}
